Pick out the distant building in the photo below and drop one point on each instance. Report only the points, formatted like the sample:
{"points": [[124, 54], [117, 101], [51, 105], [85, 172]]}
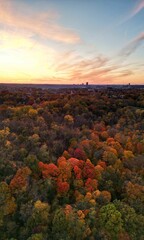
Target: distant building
{"points": [[86, 83], [129, 85]]}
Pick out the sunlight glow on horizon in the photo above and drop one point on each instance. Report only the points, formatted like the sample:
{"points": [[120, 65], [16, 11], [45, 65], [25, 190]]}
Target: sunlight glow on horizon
{"points": [[38, 46]]}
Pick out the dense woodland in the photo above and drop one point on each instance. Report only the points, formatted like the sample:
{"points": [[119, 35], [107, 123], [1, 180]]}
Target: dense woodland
{"points": [[71, 164]]}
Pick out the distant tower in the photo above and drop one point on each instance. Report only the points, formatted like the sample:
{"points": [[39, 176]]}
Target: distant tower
{"points": [[86, 83]]}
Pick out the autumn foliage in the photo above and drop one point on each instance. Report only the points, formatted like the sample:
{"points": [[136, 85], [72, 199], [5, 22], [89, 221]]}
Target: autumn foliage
{"points": [[71, 164]]}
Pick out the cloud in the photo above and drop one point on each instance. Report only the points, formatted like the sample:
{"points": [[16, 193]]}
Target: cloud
{"points": [[80, 63], [137, 8], [17, 17], [132, 46], [24, 58], [97, 70], [43, 64], [125, 73]]}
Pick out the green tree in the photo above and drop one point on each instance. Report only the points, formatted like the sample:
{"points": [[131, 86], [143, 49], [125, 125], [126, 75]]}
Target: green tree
{"points": [[110, 221], [133, 223]]}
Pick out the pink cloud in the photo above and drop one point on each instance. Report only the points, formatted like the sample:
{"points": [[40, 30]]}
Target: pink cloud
{"points": [[98, 70], [14, 16], [138, 8]]}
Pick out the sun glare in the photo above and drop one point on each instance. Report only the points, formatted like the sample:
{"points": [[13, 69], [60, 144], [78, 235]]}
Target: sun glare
{"points": [[25, 63]]}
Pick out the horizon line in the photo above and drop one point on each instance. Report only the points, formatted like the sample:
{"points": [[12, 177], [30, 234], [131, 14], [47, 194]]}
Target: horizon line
{"points": [[72, 84]]}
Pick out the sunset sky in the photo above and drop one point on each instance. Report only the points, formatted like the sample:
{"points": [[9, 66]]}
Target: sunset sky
{"points": [[72, 41]]}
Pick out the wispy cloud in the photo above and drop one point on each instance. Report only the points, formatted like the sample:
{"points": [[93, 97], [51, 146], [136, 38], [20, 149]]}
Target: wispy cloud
{"points": [[22, 19], [137, 8], [132, 46], [125, 73], [29, 60], [98, 70]]}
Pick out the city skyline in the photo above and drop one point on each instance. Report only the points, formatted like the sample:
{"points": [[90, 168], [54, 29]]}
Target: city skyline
{"points": [[72, 42]]}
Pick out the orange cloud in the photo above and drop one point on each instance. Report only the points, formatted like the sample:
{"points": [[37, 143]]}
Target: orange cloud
{"points": [[24, 20], [25, 60], [96, 70]]}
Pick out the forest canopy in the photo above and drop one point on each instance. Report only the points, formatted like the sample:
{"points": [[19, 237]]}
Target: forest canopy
{"points": [[71, 164]]}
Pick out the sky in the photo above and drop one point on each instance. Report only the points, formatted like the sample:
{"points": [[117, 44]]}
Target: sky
{"points": [[72, 41]]}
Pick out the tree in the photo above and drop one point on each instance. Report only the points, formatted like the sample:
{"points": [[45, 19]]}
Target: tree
{"points": [[89, 170], [69, 225], [20, 181], [110, 221], [69, 119], [37, 236], [134, 196], [64, 169], [132, 223], [91, 184], [7, 202], [48, 170], [62, 187], [59, 225], [38, 222]]}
